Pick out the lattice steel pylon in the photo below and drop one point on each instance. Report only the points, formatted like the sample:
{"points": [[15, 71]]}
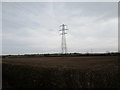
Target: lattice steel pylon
{"points": [[63, 43]]}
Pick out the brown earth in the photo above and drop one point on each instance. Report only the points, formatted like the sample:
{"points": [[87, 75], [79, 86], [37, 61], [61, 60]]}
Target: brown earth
{"points": [[81, 63]]}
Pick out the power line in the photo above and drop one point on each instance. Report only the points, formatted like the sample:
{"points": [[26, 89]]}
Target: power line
{"points": [[63, 43]]}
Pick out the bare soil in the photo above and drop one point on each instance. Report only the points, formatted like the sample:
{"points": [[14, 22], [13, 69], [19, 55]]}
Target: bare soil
{"points": [[82, 63]]}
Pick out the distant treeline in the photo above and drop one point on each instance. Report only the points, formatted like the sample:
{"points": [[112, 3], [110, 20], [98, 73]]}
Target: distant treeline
{"points": [[62, 55]]}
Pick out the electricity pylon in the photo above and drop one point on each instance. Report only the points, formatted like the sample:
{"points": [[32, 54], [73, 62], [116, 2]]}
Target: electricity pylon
{"points": [[63, 43]]}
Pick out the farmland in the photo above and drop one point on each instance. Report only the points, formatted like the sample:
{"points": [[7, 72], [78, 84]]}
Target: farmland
{"points": [[61, 72]]}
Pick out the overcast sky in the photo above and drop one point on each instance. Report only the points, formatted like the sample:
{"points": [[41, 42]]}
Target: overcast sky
{"points": [[34, 27]]}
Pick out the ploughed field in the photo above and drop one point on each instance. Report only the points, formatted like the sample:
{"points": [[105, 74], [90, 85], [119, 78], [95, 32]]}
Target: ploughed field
{"points": [[61, 72]]}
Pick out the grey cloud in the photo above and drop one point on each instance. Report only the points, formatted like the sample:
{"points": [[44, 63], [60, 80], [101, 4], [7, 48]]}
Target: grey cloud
{"points": [[109, 9], [33, 27]]}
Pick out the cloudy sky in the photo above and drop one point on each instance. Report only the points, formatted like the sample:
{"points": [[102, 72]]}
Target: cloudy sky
{"points": [[34, 27]]}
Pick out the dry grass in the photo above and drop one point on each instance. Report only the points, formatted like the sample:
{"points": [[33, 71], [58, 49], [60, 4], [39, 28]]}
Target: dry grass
{"points": [[61, 72]]}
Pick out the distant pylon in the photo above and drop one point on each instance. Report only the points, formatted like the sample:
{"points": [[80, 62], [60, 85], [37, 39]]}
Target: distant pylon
{"points": [[63, 43]]}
